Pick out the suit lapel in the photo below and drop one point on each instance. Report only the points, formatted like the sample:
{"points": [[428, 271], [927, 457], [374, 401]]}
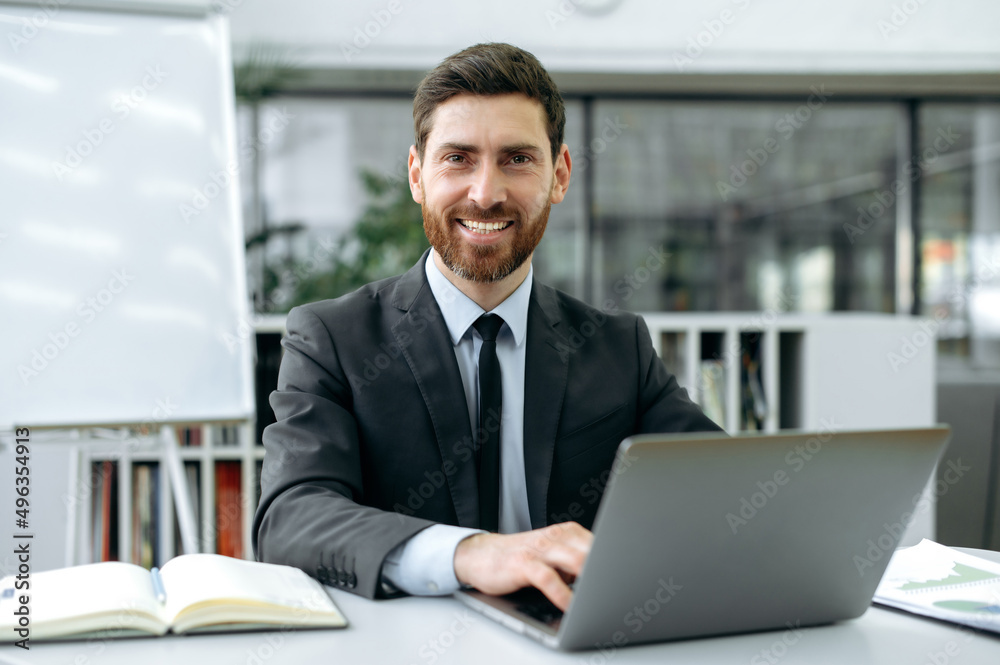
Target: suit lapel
{"points": [[545, 373], [423, 337]]}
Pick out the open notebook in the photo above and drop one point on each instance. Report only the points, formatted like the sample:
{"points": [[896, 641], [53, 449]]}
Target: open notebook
{"points": [[203, 592]]}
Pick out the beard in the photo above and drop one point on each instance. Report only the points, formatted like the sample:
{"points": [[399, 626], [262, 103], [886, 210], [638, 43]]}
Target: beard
{"points": [[484, 263]]}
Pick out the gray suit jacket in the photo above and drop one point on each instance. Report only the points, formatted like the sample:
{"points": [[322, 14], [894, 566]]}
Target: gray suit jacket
{"points": [[373, 444]]}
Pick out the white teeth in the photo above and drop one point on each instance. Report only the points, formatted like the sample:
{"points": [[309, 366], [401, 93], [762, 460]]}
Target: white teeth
{"points": [[483, 227]]}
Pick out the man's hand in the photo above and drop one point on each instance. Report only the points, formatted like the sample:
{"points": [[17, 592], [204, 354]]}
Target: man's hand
{"points": [[544, 558]]}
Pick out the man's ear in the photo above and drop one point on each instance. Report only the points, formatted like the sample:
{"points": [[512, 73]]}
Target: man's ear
{"points": [[413, 173], [560, 176]]}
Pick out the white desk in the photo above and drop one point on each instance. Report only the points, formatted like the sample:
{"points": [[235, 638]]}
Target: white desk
{"points": [[437, 631]]}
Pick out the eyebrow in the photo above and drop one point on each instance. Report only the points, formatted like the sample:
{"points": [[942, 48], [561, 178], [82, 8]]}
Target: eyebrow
{"points": [[472, 149]]}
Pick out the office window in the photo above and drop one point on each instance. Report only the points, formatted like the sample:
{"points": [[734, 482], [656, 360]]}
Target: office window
{"points": [[559, 258], [674, 205], [959, 203], [744, 206], [311, 155]]}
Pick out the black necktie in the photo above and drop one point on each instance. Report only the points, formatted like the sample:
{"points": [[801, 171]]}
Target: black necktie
{"points": [[490, 408]]}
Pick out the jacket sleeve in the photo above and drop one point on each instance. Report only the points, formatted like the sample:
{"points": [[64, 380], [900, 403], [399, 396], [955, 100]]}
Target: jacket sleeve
{"points": [[310, 514], [663, 405]]}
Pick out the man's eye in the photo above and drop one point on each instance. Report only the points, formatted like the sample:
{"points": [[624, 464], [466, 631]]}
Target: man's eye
{"points": [[456, 159], [520, 159]]}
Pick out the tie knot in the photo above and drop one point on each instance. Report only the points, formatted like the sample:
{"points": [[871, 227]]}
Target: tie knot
{"points": [[488, 326]]}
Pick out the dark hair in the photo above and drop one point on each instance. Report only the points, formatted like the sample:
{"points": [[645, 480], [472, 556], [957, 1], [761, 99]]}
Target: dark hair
{"points": [[488, 69]]}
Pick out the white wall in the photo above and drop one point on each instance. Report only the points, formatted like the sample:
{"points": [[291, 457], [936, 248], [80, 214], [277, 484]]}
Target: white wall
{"points": [[778, 36]]}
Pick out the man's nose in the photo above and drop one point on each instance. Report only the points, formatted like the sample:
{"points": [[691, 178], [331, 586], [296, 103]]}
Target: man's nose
{"points": [[488, 186]]}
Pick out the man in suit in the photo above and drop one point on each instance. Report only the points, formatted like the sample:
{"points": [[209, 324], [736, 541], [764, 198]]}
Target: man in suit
{"points": [[457, 424]]}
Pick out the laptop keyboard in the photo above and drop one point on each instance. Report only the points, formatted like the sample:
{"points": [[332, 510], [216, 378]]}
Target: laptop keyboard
{"points": [[538, 607]]}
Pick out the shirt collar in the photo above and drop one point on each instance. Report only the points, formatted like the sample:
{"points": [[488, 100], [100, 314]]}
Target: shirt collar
{"points": [[460, 311]]}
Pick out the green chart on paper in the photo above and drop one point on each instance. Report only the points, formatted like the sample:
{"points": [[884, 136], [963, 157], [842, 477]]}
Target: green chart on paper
{"points": [[961, 574]]}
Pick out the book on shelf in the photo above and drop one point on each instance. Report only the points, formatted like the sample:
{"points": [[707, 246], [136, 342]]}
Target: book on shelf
{"points": [[752, 388], [189, 436], [228, 509], [104, 511], [201, 593], [226, 435], [713, 390], [673, 354], [192, 474], [145, 514]]}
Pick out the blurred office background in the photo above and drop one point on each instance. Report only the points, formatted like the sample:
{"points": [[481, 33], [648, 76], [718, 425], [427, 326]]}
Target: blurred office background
{"points": [[788, 156], [834, 168]]}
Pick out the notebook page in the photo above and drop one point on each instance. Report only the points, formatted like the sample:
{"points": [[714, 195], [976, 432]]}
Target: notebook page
{"points": [[110, 595], [200, 578]]}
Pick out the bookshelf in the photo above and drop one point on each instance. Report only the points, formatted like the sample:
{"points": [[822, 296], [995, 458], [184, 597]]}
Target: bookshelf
{"points": [[750, 371], [221, 462], [814, 372], [127, 508], [801, 371]]}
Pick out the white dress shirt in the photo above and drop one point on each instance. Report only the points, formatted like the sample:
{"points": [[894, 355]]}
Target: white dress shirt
{"points": [[424, 564]]}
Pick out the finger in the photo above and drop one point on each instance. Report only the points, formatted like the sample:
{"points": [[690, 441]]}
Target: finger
{"points": [[567, 556], [549, 582], [572, 534]]}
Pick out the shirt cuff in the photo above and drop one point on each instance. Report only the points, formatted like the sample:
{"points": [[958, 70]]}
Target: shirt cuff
{"points": [[424, 565]]}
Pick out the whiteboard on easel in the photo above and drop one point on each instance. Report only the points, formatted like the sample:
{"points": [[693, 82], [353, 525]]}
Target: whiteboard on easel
{"points": [[122, 279]]}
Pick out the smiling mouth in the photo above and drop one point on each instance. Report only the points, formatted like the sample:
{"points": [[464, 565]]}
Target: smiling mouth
{"points": [[484, 227]]}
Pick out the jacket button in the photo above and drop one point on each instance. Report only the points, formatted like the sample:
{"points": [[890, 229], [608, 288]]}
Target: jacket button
{"points": [[342, 577], [352, 581], [322, 574]]}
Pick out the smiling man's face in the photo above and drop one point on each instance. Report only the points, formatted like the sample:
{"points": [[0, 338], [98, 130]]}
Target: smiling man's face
{"points": [[486, 183]]}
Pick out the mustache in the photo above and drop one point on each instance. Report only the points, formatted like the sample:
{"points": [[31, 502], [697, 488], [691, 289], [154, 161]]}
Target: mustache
{"points": [[499, 211]]}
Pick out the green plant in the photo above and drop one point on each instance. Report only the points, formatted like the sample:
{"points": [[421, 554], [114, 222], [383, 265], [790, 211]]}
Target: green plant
{"points": [[387, 240]]}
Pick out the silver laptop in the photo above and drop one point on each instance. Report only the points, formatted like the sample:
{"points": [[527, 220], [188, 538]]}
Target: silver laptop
{"points": [[702, 534]]}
